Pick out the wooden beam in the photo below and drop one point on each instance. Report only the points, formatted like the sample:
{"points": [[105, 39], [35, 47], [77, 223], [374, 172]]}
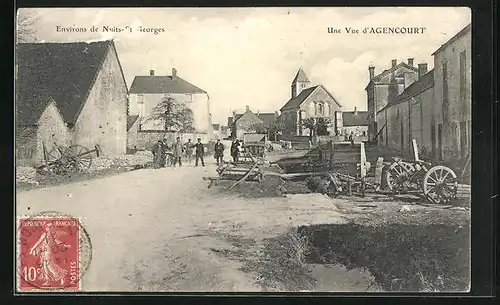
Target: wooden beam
{"points": [[415, 150], [245, 176], [363, 161], [378, 171]]}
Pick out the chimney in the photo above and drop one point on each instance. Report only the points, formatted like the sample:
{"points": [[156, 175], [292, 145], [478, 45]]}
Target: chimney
{"points": [[174, 73], [151, 72], [247, 108], [355, 110], [422, 69], [410, 62], [394, 62], [258, 112], [371, 69], [276, 114]]}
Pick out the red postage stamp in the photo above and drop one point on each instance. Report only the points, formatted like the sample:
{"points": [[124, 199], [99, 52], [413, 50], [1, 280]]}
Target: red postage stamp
{"points": [[48, 254]]}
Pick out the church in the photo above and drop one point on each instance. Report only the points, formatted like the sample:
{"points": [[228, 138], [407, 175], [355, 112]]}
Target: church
{"points": [[309, 101]]}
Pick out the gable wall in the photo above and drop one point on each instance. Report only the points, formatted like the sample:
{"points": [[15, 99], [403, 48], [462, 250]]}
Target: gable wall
{"points": [[103, 119]]}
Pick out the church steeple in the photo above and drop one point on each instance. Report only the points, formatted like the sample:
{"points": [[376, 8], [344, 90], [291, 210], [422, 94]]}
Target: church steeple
{"points": [[299, 83]]}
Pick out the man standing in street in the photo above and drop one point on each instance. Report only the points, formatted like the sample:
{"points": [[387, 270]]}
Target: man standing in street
{"points": [[199, 150], [235, 150], [177, 150], [158, 154], [188, 151], [219, 152]]}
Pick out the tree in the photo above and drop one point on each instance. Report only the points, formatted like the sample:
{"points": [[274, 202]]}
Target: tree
{"points": [[322, 126], [309, 123], [257, 127], [174, 115], [316, 126], [25, 29], [277, 127]]}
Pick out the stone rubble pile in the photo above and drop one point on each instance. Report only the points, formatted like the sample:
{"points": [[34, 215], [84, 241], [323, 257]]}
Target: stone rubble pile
{"points": [[140, 158], [26, 174]]}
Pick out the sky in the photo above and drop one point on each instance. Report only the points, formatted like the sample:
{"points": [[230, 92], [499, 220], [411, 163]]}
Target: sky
{"points": [[249, 56]]}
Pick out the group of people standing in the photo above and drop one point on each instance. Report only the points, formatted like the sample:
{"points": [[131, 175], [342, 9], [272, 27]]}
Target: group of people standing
{"points": [[171, 155]]}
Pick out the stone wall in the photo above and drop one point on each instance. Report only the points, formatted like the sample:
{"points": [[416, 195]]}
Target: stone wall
{"points": [[103, 119]]}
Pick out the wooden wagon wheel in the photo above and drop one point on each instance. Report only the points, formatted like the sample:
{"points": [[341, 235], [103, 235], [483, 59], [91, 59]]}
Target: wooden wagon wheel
{"points": [[82, 157], [398, 176], [440, 184]]}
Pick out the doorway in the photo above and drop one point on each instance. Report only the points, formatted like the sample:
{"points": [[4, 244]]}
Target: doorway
{"points": [[440, 142], [402, 137], [433, 140], [463, 140]]}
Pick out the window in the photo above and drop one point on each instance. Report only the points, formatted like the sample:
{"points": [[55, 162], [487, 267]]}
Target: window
{"points": [[397, 115], [463, 76], [321, 109], [140, 105]]}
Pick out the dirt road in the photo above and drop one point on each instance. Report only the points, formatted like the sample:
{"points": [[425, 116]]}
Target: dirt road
{"points": [[162, 230]]}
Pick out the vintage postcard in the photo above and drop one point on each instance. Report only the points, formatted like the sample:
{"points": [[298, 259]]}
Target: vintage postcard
{"points": [[243, 149]]}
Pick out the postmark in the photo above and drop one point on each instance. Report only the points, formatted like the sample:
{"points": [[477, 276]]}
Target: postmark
{"points": [[53, 252]]}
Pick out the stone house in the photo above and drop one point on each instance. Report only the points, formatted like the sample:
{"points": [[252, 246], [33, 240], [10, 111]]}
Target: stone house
{"points": [[86, 83], [39, 124], [384, 87], [355, 123], [250, 122], [407, 117], [146, 92], [307, 102], [436, 109], [451, 123]]}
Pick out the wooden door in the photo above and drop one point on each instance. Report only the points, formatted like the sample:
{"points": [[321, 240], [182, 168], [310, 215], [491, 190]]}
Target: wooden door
{"points": [[440, 142]]}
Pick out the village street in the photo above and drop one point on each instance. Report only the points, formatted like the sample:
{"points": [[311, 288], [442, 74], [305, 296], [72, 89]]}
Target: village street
{"points": [[157, 230]]}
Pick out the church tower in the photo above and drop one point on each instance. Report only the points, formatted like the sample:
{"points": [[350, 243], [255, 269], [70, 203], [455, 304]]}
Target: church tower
{"points": [[299, 83]]}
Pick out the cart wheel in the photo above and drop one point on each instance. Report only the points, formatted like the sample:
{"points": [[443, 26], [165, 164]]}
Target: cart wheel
{"points": [[398, 176], [82, 157], [440, 184]]}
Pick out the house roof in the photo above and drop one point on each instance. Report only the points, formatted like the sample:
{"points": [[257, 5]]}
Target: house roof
{"points": [[378, 77], [267, 118], [300, 76], [461, 33], [30, 105], [162, 84], [299, 99], [65, 71], [254, 137], [425, 82], [131, 119], [358, 118]]}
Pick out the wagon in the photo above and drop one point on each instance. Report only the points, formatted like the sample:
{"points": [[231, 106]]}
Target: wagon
{"points": [[437, 183], [69, 159]]}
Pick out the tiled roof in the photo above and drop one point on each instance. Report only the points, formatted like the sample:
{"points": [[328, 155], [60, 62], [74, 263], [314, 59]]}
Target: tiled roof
{"points": [[267, 118], [131, 119], [299, 99], [379, 76], [425, 82], [300, 77], [65, 71], [162, 84], [30, 105], [358, 118]]}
